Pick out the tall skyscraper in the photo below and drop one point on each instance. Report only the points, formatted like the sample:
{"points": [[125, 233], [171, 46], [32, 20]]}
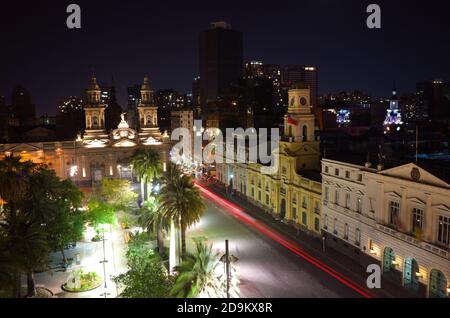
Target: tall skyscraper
{"points": [[433, 101], [307, 74], [220, 62], [23, 110], [134, 99]]}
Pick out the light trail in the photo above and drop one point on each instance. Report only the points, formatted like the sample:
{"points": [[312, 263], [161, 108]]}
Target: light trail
{"points": [[290, 245]]}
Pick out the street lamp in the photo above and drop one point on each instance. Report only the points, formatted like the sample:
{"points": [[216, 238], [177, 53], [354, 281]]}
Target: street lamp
{"points": [[228, 259]]}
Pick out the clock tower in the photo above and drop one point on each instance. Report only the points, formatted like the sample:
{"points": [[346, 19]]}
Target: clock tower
{"points": [[299, 121]]}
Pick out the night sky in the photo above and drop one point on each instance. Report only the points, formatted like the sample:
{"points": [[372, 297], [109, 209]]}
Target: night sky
{"points": [[127, 39]]}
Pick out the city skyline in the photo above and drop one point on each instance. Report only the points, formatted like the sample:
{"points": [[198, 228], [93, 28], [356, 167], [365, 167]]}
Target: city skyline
{"points": [[166, 43]]}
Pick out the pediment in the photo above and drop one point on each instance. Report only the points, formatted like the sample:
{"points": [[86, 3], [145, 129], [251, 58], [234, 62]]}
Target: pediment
{"points": [[416, 201], [414, 173], [393, 194], [23, 147]]}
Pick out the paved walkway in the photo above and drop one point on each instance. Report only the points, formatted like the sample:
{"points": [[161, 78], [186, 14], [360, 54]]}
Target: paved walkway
{"points": [[91, 255], [313, 245]]}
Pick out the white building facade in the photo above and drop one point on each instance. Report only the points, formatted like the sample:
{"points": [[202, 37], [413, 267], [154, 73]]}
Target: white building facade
{"points": [[398, 217]]}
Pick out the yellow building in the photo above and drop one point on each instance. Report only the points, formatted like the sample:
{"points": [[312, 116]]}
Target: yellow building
{"points": [[293, 193]]}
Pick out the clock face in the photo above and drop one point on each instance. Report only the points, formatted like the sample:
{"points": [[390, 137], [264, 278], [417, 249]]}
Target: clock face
{"points": [[303, 101]]}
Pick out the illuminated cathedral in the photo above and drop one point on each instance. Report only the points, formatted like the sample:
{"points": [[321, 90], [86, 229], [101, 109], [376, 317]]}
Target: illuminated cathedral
{"points": [[98, 153]]}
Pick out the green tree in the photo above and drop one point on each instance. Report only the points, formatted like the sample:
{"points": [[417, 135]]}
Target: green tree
{"points": [[14, 188], [197, 274], [147, 165], [146, 277], [118, 193], [180, 202], [99, 213]]}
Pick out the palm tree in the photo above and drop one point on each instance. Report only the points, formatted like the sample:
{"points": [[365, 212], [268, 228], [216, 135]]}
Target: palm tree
{"points": [[147, 165], [197, 274], [180, 202], [152, 220]]}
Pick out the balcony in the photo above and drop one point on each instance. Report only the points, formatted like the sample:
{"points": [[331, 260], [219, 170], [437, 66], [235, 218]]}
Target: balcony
{"points": [[409, 239]]}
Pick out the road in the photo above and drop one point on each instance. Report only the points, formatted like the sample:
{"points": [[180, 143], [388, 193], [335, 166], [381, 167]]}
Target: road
{"points": [[269, 265]]}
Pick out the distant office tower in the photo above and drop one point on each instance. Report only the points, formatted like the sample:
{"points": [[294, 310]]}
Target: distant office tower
{"points": [[168, 100], [196, 106], [432, 101], [113, 109], [134, 98], [307, 74], [23, 110], [220, 62], [70, 119], [253, 69]]}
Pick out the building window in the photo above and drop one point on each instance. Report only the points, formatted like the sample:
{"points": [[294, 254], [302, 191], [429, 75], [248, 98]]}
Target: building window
{"points": [[336, 196], [417, 219], [316, 224], [267, 199], [304, 218], [444, 230], [316, 207], [346, 231], [326, 169], [259, 195], [335, 226], [253, 192], [394, 212], [294, 213], [347, 200], [358, 205], [325, 222], [358, 237], [327, 192], [347, 174], [304, 204], [359, 177], [294, 199], [336, 172]]}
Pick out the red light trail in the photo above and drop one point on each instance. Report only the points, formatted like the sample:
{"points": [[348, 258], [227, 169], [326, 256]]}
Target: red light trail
{"points": [[290, 245]]}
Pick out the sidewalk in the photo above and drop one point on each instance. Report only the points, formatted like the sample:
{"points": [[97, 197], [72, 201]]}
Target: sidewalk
{"points": [[313, 245]]}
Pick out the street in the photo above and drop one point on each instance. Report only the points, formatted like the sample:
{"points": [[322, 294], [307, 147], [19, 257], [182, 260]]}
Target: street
{"points": [[268, 265]]}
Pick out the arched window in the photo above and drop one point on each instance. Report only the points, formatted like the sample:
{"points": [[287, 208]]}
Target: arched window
{"points": [[149, 120], [305, 132]]}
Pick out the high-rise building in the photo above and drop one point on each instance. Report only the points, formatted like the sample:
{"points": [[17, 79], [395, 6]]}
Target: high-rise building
{"points": [[23, 110], [433, 101], [113, 110], [196, 97], [253, 69], [307, 74], [220, 62], [70, 119], [168, 100], [134, 98]]}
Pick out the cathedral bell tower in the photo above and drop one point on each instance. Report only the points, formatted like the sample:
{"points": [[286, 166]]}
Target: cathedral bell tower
{"points": [[94, 112], [148, 113], [299, 121]]}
